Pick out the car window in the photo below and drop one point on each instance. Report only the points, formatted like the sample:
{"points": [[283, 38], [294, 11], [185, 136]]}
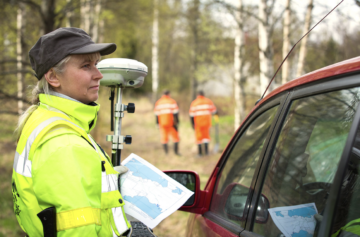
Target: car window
{"points": [[233, 183], [347, 214], [305, 160]]}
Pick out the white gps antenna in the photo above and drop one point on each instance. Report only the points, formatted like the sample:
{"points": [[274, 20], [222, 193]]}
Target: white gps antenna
{"points": [[120, 73]]}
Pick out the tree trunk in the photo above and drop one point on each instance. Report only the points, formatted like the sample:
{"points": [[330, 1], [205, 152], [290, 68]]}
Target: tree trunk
{"points": [[238, 54], [286, 42], [69, 16], [302, 53], [101, 30], [155, 46], [85, 11], [265, 52], [95, 28], [20, 56], [194, 19], [101, 27], [48, 15]]}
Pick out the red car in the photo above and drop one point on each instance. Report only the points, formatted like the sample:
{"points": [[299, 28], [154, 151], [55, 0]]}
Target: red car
{"points": [[292, 167]]}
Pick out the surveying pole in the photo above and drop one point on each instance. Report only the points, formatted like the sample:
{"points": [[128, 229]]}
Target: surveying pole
{"points": [[120, 73]]}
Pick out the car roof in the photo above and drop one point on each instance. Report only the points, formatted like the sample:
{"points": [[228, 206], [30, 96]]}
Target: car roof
{"points": [[347, 66]]}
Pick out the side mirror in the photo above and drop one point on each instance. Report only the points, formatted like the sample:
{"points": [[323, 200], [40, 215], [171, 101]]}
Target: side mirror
{"points": [[262, 213], [235, 198], [188, 179]]}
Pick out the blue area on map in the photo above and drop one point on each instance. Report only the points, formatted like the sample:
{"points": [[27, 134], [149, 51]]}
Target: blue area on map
{"points": [[301, 233], [303, 212], [177, 190], [148, 173], [153, 210], [278, 213]]}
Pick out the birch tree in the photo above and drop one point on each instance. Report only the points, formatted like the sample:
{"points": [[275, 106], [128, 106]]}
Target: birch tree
{"points": [[194, 22], [155, 46], [20, 27], [85, 11], [286, 42], [302, 53], [90, 18], [46, 9], [69, 16], [238, 62], [96, 21], [265, 48]]}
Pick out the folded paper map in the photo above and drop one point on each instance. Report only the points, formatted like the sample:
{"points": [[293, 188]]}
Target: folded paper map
{"points": [[150, 195]]}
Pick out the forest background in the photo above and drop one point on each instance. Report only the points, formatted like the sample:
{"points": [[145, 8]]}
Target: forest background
{"points": [[230, 49]]}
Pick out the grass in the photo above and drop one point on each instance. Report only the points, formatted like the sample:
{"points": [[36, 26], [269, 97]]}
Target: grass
{"points": [[145, 143]]}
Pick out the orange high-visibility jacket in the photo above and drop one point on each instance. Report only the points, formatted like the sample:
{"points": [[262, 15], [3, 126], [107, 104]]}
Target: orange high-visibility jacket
{"points": [[201, 110], [165, 108]]}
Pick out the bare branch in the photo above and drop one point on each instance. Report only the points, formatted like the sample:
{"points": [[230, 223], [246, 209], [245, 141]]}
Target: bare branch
{"points": [[16, 71], [271, 8], [70, 6], [275, 21], [35, 6], [232, 8], [14, 61], [4, 95]]}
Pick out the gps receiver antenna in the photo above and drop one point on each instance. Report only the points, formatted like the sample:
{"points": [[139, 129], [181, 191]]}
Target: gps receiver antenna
{"points": [[120, 73]]}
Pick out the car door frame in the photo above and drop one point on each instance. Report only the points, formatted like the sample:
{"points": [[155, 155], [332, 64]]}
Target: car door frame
{"points": [[277, 100], [310, 89]]}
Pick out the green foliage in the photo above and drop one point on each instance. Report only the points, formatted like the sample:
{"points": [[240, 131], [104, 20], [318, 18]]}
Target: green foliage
{"points": [[226, 129]]}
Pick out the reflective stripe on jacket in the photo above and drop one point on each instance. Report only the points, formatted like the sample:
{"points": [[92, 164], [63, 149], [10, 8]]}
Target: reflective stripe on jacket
{"points": [[201, 109], [165, 108], [351, 229], [57, 163]]}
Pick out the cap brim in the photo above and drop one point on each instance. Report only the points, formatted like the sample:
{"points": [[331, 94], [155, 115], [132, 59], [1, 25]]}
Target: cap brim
{"points": [[103, 49]]}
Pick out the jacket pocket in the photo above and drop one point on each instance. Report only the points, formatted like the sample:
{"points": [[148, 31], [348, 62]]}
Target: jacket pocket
{"points": [[113, 203]]}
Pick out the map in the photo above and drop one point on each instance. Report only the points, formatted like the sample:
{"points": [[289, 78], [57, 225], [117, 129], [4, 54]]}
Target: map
{"points": [[150, 195], [295, 221]]}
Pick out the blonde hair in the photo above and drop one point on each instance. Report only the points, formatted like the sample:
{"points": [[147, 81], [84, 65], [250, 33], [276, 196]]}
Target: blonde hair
{"points": [[43, 87]]}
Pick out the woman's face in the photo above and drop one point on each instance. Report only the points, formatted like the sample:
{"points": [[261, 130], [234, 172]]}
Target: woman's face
{"points": [[80, 79]]}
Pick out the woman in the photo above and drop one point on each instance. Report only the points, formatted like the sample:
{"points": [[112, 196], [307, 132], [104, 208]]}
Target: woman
{"points": [[57, 164]]}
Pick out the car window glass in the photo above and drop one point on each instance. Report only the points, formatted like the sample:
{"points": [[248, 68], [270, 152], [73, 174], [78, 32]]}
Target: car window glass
{"points": [[347, 214], [305, 160], [232, 187]]}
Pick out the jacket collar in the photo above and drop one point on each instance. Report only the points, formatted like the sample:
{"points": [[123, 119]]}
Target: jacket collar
{"points": [[82, 114]]}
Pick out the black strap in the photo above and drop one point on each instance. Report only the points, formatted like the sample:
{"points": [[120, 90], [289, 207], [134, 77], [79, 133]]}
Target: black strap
{"points": [[48, 220]]}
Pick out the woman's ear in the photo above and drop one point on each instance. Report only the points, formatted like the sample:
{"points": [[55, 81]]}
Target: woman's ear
{"points": [[52, 79]]}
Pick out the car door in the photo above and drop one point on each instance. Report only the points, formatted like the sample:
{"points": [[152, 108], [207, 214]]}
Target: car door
{"points": [[238, 170], [307, 163]]}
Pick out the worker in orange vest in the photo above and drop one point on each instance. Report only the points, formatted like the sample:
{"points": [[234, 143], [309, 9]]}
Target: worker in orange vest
{"points": [[166, 111], [200, 112]]}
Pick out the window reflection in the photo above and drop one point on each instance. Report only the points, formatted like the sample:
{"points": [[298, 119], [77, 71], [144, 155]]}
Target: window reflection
{"points": [[307, 152], [233, 184], [347, 215]]}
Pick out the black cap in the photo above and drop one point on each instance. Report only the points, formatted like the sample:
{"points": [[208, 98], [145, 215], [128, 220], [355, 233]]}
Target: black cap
{"points": [[56, 45]]}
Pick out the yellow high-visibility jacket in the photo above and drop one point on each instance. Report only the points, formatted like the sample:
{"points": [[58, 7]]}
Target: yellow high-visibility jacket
{"points": [[58, 164], [351, 229]]}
